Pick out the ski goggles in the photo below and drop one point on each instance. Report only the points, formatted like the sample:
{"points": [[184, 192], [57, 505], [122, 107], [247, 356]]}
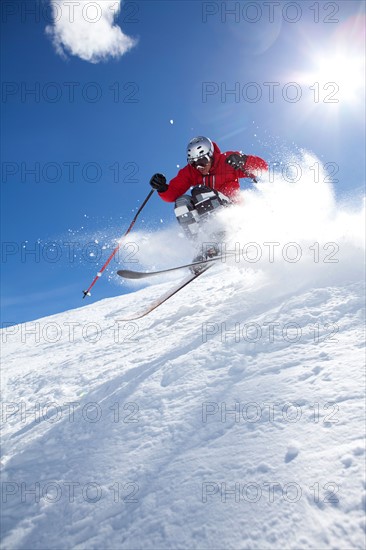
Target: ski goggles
{"points": [[202, 161]]}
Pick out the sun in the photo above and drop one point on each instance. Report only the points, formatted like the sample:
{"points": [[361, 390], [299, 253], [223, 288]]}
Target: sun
{"points": [[345, 72], [335, 77]]}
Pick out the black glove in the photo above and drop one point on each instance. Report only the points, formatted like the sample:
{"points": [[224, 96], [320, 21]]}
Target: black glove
{"points": [[158, 182], [237, 161]]}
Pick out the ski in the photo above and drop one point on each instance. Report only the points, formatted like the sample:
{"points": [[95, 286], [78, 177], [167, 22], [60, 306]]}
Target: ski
{"points": [[159, 301], [128, 274]]}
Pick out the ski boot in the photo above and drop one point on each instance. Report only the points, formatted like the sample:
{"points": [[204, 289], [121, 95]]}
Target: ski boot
{"points": [[211, 252]]}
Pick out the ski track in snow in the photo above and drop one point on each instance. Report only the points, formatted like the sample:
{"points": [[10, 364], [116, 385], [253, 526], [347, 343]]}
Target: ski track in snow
{"points": [[211, 435]]}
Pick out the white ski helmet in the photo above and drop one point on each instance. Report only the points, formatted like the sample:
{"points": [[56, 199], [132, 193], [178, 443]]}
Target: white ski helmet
{"points": [[199, 147]]}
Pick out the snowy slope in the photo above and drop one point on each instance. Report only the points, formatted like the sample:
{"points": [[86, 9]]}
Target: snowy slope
{"points": [[232, 417]]}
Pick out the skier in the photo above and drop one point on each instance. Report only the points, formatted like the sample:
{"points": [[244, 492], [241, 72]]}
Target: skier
{"points": [[214, 177]]}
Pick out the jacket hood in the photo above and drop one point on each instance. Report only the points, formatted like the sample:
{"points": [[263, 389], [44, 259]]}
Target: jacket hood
{"points": [[217, 153]]}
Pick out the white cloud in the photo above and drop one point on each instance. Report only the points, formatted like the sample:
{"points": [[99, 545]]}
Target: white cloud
{"points": [[85, 28]]}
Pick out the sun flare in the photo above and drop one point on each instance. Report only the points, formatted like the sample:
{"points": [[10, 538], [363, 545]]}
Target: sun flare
{"points": [[334, 77], [347, 73]]}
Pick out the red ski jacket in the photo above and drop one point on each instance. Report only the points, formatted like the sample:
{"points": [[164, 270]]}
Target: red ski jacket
{"points": [[221, 177]]}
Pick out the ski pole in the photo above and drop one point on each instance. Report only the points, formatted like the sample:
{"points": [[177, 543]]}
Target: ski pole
{"points": [[99, 274]]}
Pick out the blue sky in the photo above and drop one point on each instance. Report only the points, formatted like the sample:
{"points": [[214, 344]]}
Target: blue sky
{"points": [[78, 152]]}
